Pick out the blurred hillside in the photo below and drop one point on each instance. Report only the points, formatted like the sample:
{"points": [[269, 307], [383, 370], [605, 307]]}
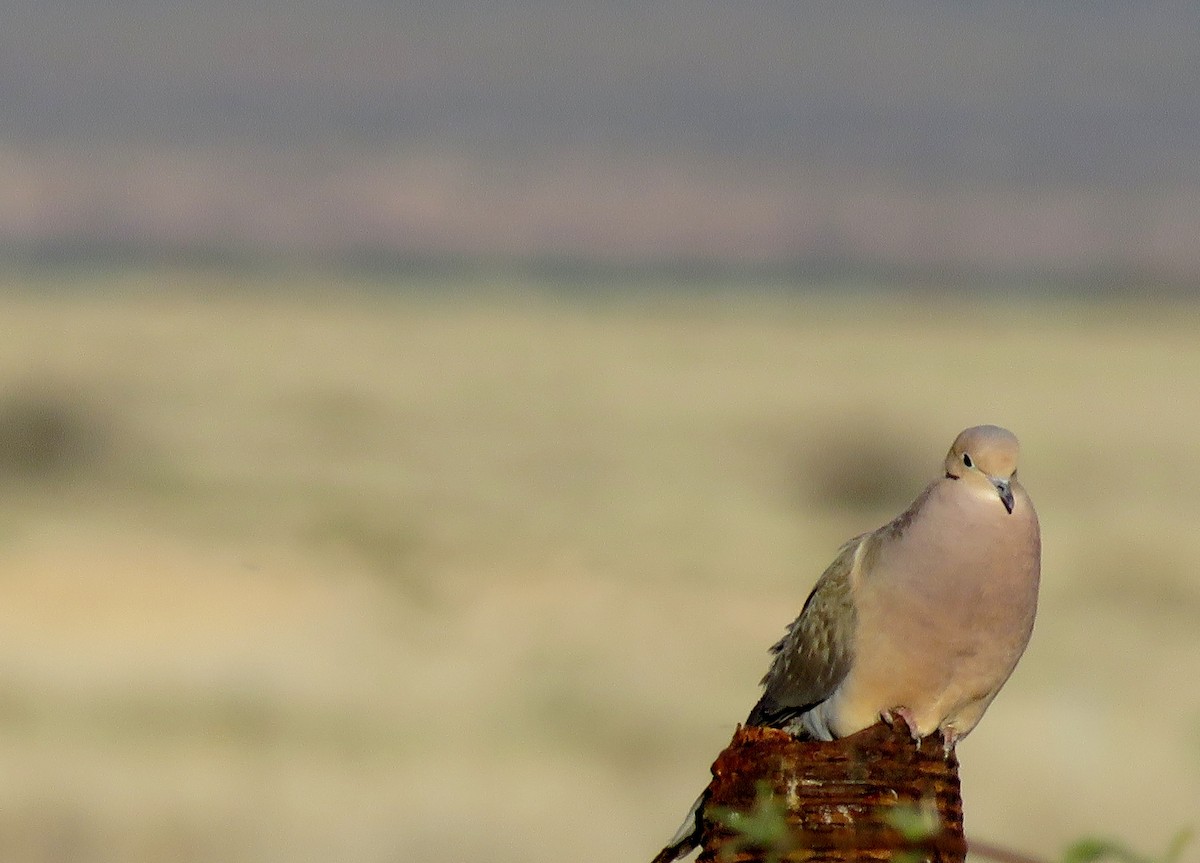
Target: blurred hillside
{"points": [[926, 138]]}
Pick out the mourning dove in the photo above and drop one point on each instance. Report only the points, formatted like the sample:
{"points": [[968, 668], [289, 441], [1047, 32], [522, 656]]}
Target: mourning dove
{"points": [[923, 619]]}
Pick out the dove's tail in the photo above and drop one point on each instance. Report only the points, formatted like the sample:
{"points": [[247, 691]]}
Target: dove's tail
{"points": [[687, 837]]}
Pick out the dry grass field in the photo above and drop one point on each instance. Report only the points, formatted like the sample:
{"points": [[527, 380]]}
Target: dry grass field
{"points": [[297, 570]]}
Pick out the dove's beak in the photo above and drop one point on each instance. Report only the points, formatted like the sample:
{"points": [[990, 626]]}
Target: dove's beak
{"points": [[1006, 495]]}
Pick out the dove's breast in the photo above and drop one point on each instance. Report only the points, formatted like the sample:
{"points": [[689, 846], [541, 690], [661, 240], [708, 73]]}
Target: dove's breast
{"points": [[944, 613]]}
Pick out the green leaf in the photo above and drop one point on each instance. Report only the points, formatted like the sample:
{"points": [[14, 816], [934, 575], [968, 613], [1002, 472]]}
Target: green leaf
{"points": [[915, 822], [764, 827], [1094, 848]]}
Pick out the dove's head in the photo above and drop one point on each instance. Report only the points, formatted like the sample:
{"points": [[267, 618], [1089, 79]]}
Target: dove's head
{"points": [[985, 457]]}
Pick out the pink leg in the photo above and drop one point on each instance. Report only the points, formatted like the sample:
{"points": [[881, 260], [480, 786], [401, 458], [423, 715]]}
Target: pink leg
{"points": [[949, 738], [890, 716]]}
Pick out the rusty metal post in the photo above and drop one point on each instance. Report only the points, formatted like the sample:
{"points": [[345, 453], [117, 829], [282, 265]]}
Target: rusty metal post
{"points": [[874, 795]]}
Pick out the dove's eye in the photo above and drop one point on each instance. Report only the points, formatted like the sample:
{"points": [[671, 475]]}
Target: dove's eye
{"points": [[967, 463]]}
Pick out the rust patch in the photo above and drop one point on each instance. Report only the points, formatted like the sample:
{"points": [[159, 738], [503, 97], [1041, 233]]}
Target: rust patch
{"points": [[775, 798]]}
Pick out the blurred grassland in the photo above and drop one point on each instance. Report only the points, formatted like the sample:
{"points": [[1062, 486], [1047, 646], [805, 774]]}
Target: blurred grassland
{"points": [[307, 569]]}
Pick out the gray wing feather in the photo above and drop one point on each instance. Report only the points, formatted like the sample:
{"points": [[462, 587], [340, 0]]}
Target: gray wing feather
{"points": [[815, 654]]}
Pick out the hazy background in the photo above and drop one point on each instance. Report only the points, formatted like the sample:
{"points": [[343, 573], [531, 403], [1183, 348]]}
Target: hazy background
{"points": [[417, 420], [924, 139]]}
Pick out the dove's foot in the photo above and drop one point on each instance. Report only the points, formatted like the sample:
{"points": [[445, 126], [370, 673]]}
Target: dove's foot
{"points": [[949, 738], [903, 713]]}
